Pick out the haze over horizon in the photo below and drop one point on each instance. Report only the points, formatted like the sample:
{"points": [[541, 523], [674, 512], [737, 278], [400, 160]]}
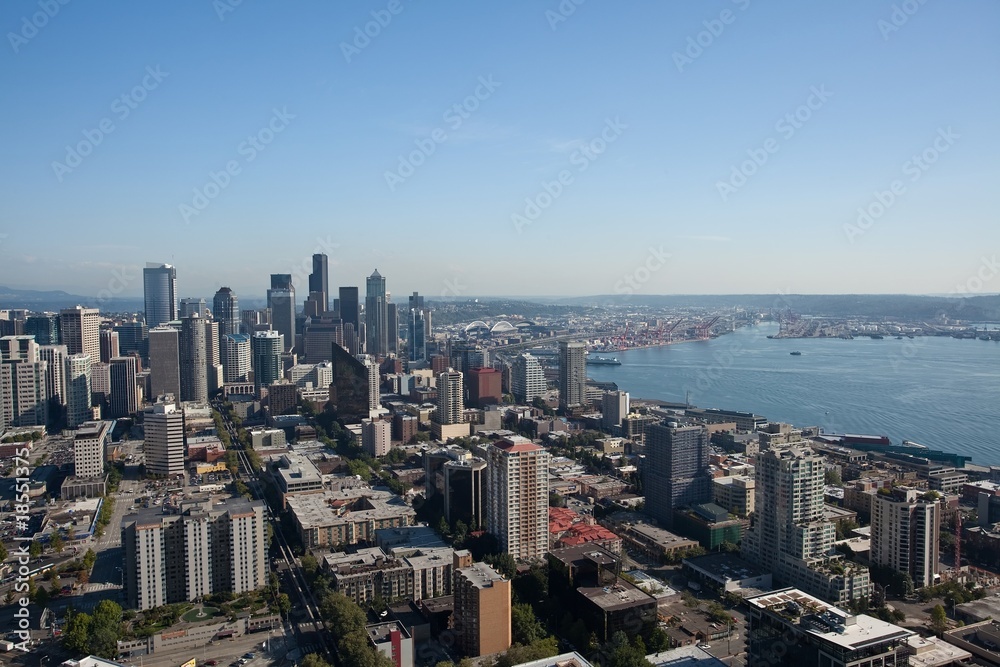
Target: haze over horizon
{"points": [[648, 156]]}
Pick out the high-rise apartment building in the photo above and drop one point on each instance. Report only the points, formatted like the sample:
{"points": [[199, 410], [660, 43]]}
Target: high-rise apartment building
{"points": [[906, 527], [236, 362], [213, 357], [55, 372], [281, 301], [527, 379], [614, 407], [124, 397], [376, 316], [164, 361], [202, 549], [163, 425], [518, 496], [482, 618], [789, 535], [23, 385], [159, 282], [675, 473], [78, 389], [226, 311], [80, 329], [194, 360], [376, 436], [572, 374], [90, 448], [484, 387], [266, 348], [451, 404], [319, 281]]}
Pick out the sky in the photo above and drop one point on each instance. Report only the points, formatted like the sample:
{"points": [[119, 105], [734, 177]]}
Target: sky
{"points": [[503, 148]]}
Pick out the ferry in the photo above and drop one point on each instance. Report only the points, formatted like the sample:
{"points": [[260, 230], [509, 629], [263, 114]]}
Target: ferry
{"points": [[603, 361], [796, 353]]}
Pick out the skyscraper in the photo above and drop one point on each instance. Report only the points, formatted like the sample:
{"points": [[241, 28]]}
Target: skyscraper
{"points": [[572, 374], [236, 362], [164, 362], [90, 448], [159, 283], [615, 405], [163, 425], [55, 373], [482, 617], [23, 382], [109, 345], [376, 316], [44, 327], [392, 327], [319, 280], [527, 379], [518, 496], [281, 301], [416, 334], [194, 360], [450, 388], [78, 389], [81, 331], [484, 387], [676, 471], [226, 311], [124, 397], [266, 348], [906, 527], [189, 306], [213, 356], [350, 308], [132, 338]]}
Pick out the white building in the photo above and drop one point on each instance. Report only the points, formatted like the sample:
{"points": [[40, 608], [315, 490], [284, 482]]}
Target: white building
{"points": [[80, 329], [906, 526], [615, 405], [527, 379], [90, 448], [55, 372], [518, 496], [164, 446], [450, 388], [376, 436], [78, 389]]}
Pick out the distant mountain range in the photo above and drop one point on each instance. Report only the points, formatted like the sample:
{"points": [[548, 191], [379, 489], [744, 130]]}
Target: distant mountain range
{"points": [[57, 299]]}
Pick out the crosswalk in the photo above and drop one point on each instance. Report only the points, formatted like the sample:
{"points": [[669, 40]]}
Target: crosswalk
{"points": [[302, 651]]}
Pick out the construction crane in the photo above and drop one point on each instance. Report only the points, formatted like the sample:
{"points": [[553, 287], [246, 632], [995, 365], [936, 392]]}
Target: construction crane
{"points": [[703, 329], [670, 331]]}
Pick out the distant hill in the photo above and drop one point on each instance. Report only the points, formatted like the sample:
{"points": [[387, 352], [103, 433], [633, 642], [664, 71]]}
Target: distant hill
{"points": [[58, 299]]}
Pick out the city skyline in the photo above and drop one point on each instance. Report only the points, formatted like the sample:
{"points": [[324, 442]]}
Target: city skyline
{"points": [[693, 137]]}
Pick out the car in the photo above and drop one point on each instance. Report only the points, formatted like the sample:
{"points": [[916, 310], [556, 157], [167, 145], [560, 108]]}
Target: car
{"points": [[249, 655], [704, 647]]}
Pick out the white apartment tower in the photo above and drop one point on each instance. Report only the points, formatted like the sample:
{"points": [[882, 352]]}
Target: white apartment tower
{"points": [[450, 390], [527, 379], [906, 526], [164, 433], [78, 389], [518, 496], [376, 436], [90, 448]]}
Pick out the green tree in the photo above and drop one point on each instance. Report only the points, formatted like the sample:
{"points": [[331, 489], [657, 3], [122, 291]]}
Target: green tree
{"points": [[56, 542], [284, 604], [939, 620], [35, 550], [525, 626], [309, 565], [3, 553], [503, 563], [314, 660], [76, 634]]}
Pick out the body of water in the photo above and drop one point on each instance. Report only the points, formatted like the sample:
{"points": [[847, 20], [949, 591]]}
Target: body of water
{"points": [[939, 392]]}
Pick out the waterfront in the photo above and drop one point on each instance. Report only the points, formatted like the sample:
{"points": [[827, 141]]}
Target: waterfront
{"points": [[939, 392]]}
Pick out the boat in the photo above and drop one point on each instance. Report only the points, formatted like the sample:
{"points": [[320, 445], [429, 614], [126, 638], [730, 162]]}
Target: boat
{"points": [[796, 353], [876, 336], [899, 338], [603, 361]]}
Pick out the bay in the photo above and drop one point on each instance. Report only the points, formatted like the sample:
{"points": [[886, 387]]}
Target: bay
{"points": [[940, 392]]}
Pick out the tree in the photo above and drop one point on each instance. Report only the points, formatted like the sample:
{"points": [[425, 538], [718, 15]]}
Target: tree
{"points": [[309, 565], [76, 634], [56, 542], [503, 563], [89, 559], [314, 660], [3, 552], [939, 620], [35, 550], [833, 477], [284, 604], [525, 626]]}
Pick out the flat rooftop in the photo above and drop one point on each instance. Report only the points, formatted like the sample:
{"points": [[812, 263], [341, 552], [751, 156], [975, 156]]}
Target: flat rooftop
{"points": [[725, 566], [619, 596], [684, 656], [481, 575], [379, 632]]}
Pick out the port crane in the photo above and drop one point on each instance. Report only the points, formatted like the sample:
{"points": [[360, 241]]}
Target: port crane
{"points": [[703, 329]]}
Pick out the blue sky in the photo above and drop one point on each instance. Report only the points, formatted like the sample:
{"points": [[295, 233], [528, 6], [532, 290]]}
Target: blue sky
{"points": [[650, 133]]}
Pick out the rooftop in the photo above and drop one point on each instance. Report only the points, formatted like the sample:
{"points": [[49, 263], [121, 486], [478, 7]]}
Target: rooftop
{"points": [[684, 656], [319, 510], [725, 565], [481, 575], [619, 596], [379, 632]]}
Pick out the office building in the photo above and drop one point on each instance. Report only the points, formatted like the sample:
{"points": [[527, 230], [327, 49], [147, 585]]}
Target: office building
{"points": [[282, 398], [675, 473], [376, 436], [482, 609], [194, 360], [350, 308], [109, 345], [464, 479], [164, 361], [484, 387], [376, 316], [450, 402], [23, 382], [392, 327], [319, 281], [226, 311], [123, 400], [791, 628], [213, 355], [790, 536], [44, 327], [527, 379], [252, 321], [159, 283], [55, 372], [572, 374], [416, 328], [906, 527], [351, 390], [132, 338], [236, 363], [281, 302], [163, 424], [78, 389], [189, 306], [266, 348], [80, 330], [90, 448], [614, 407], [319, 337], [736, 493], [518, 496], [202, 549]]}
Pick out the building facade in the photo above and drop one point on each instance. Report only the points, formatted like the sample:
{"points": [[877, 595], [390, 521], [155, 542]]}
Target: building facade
{"points": [[159, 282], [518, 496], [675, 473]]}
